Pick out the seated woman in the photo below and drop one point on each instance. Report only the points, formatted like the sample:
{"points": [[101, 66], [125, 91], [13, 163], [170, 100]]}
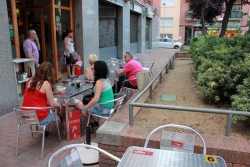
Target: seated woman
{"points": [[88, 72], [38, 93], [131, 68], [103, 92]]}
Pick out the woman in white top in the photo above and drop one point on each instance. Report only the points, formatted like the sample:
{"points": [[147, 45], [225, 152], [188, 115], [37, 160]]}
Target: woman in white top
{"points": [[68, 48]]}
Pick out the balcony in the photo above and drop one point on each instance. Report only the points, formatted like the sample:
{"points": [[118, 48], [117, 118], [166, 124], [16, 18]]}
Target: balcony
{"points": [[188, 16], [236, 15]]}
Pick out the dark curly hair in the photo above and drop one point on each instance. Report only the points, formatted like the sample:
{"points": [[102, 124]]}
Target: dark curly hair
{"points": [[101, 70], [45, 72]]}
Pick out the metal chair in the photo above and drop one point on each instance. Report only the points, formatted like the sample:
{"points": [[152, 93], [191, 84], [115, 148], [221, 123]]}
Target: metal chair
{"points": [[118, 99], [28, 116], [177, 141], [145, 67], [73, 159]]}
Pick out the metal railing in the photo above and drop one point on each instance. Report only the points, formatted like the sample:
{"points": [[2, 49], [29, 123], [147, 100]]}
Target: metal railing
{"points": [[133, 103]]}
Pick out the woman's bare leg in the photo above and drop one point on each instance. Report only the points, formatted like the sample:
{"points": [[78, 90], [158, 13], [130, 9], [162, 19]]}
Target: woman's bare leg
{"points": [[68, 69]]}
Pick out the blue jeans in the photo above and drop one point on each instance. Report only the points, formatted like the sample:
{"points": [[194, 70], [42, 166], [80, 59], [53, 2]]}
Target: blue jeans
{"points": [[98, 109], [47, 119]]}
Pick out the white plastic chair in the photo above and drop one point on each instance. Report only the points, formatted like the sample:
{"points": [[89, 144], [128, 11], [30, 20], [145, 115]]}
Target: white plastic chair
{"points": [[73, 159], [118, 99], [176, 142], [28, 116]]}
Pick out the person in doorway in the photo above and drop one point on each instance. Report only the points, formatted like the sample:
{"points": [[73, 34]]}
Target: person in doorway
{"points": [[88, 72], [31, 46], [103, 93], [38, 93], [68, 49], [130, 69]]}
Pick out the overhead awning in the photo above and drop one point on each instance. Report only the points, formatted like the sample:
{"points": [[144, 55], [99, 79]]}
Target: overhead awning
{"points": [[235, 28]]}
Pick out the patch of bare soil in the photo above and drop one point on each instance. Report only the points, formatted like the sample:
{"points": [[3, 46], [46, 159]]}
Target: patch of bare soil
{"points": [[180, 81]]}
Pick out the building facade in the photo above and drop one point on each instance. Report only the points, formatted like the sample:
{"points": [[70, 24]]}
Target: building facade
{"points": [[107, 28], [170, 16], [190, 28]]}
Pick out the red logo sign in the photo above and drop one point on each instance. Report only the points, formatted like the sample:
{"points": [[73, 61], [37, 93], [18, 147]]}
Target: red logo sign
{"points": [[177, 144], [142, 152]]}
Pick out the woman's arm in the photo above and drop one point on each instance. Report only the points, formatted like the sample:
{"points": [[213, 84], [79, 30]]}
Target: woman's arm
{"points": [[65, 41], [49, 95], [98, 89]]}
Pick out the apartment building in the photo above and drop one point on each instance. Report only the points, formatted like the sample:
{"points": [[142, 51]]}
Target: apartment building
{"points": [[170, 16], [190, 28]]}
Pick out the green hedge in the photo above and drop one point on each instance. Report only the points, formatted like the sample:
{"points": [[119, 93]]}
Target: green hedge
{"points": [[222, 69]]}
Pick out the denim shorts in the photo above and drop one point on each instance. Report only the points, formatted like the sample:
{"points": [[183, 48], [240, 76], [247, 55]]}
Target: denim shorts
{"points": [[47, 119], [100, 110]]}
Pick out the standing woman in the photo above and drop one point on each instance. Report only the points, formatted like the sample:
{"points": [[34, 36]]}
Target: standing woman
{"points": [[68, 48]]}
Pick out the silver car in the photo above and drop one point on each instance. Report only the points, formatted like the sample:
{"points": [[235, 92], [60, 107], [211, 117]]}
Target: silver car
{"points": [[166, 43]]}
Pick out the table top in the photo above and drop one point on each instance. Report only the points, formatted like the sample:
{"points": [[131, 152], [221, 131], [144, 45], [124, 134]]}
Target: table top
{"points": [[148, 157], [71, 90]]}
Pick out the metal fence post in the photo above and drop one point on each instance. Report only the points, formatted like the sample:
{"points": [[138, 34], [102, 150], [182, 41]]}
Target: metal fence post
{"points": [[229, 124], [166, 68], [131, 119], [150, 92], [160, 77]]}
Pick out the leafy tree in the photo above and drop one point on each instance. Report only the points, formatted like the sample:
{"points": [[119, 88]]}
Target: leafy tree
{"points": [[206, 11], [228, 7]]}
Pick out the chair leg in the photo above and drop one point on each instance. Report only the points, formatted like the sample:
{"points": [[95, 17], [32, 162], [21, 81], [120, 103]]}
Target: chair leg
{"points": [[58, 131], [43, 142], [17, 139], [32, 132]]}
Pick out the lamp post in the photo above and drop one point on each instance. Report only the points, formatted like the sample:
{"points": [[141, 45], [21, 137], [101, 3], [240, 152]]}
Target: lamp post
{"points": [[164, 18]]}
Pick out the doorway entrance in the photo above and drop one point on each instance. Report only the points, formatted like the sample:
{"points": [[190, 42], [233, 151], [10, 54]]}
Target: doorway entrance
{"points": [[49, 18]]}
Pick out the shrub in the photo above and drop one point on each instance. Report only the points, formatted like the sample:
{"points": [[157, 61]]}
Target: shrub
{"points": [[222, 69]]}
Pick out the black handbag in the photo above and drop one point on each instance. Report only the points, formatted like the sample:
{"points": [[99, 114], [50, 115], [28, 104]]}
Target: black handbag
{"points": [[87, 98]]}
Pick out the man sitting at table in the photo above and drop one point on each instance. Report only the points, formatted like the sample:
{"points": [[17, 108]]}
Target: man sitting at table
{"points": [[131, 68]]}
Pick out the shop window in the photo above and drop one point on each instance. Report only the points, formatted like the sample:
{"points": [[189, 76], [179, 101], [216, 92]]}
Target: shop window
{"points": [[62, 2]]}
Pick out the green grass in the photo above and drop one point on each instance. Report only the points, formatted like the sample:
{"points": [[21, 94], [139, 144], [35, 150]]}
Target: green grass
{"points": [[185, 49]]}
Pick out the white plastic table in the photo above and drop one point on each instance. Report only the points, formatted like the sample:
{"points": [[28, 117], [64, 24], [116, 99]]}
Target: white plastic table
{"points": [[139, 156]]}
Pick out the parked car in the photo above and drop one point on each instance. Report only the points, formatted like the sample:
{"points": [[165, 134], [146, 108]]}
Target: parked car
{"points": [[166, 43]]}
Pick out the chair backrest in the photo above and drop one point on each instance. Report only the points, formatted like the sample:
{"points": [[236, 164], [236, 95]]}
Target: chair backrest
{"points": [[81, 145], [119, 97], [180, 142], [26, 116], [129, 93]]}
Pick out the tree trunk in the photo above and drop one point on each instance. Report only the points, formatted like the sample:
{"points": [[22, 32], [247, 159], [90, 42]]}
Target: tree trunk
{"points": [[203, 24], [229, 6]]}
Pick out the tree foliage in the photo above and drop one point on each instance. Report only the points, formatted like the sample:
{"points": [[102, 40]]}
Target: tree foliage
{"points": [[206, 10], [228, 7]]}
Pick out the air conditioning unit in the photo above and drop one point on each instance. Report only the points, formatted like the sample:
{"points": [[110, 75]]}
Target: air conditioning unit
{"points": [[156, 11], [146, 11]]}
